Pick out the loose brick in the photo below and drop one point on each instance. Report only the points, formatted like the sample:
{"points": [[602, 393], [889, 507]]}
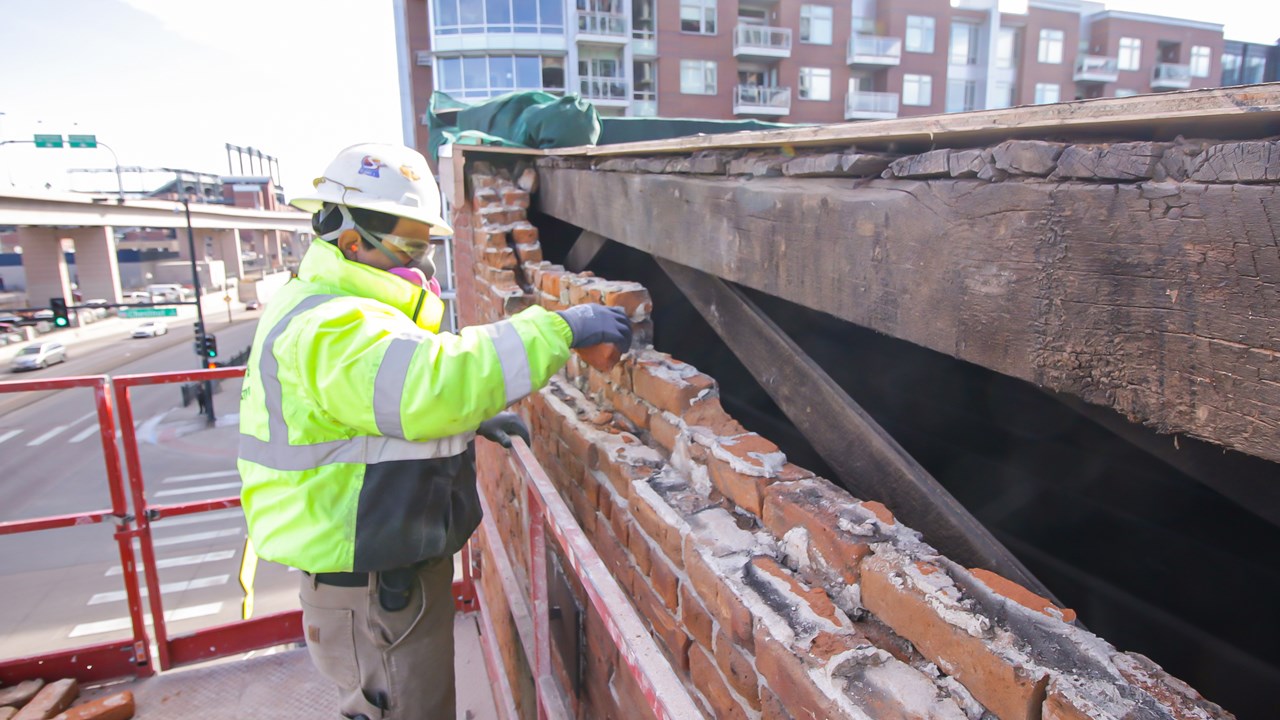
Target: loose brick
{"points": [[739, 670], [504, 259], [484, 197], [707, 678], [113, 707], [1022, 596], [51, 700], [816, 599], [665, 430], [524, 233], [630, 407], [741, 467], [878, 509], [21, 693], [515, 197], [1009, 690], [668, 384], [632, 297], [529, 252], [813, 505]]}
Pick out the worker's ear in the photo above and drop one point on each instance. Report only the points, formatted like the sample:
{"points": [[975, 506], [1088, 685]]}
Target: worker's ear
{"points": [[349, 244]]}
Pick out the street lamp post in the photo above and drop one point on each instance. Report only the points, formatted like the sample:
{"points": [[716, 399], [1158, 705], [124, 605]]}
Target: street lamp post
{"points": [[195, 282]]}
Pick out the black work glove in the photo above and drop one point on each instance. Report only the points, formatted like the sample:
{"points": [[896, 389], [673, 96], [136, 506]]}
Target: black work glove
{"points": [[594, 324], [502, 426]]}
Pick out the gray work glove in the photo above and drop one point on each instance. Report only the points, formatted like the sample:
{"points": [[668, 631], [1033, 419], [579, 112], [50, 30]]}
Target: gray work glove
{"points": [[594, 324], [502, 426]]}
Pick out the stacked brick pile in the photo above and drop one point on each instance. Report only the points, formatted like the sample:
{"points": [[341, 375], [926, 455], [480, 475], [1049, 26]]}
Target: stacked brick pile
{"points": [[35, 700], [774, 593]]}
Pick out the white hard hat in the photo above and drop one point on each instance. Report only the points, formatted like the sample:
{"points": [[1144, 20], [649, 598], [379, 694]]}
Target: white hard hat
{"points": [[390, 179]]}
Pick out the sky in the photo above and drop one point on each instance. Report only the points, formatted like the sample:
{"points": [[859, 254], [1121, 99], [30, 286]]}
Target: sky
{"points": [[167, 83]]}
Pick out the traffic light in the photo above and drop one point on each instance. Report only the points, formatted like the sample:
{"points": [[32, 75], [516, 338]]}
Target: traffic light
{"points": [[199, 328], [211, 346], [59, 307]]}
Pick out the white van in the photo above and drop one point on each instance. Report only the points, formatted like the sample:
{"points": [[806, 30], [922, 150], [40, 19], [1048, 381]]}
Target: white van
{"points": [[137, 296], [165, 293]]}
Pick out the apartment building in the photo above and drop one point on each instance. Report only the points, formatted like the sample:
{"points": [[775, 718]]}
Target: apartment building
{"points": [[816, 61], [1248, 63]]}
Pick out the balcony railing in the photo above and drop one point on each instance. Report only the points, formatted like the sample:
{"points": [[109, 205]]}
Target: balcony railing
{"points": [[1171, 76], [604, 88], [602, 23], [761, 41], [1095, 68], [865, 49], [762, 100], [644, 41], [865, 105]]}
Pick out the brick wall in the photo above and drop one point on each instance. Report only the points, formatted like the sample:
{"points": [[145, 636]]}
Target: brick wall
{"points": [[774, 593]]}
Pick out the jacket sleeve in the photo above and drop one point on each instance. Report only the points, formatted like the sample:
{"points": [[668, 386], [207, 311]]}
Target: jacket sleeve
{"points": [[379, 374]]}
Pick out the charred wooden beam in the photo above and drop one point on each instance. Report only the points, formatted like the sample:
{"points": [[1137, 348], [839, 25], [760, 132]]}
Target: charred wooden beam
{"points": [[1157, 299]]}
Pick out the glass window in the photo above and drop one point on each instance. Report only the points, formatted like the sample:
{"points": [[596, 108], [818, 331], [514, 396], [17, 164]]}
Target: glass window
{"points": [[698, 77], [1007, 48], [964, 43], [962, 95], [1051, 46], [552, 14], [446, 15], [480, 16], [1003, 96], [1125, 92], [450, 74], [470, 12], [815, 83], [497, 12], [1230, 69], [528, 73], [1130, 53], [816, 24], [1199, 61], [919, 34], [475, 72], [698, 16], [1254, 68], [917, 90], [526, 13], [1047, 93], [502, 74]]}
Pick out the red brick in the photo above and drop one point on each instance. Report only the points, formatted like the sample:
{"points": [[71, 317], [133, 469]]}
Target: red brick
{"points": [[739, 670], [524, 233], [745, 491], [514, 197], [695, 617], [528, 180], [721, 599], [1009, 691], [621, 466], [484, 197], [669, 385], [1180, 700], [878, 509], [631, 408], [813, 505], [529, 252], [665, 627], [665, 580], [707, 678], [1021, 595], [504, 259], [1058, 707], [664, 432], [634, 299], [51, 700], [490, 239], [789, 680], [20, 694], [771, 707], [666, 537], [602, 357], [707, 412], [113, 707], [815, 598], [551, 281]]}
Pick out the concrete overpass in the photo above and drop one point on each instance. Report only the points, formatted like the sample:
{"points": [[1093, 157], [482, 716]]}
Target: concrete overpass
{"points": [[90, 221]]}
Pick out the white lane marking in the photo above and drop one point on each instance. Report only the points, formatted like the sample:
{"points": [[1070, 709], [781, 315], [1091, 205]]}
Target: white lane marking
{"points": [[180, 561], [82, 418], [197, 518], [196, 537], [200, 489], [9, 434], [41, 440], [85, 433], [202, 476], [165, 589], [117, 624]]}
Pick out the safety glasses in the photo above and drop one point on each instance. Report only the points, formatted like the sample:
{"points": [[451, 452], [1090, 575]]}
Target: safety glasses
{"points": [[417, 250]]}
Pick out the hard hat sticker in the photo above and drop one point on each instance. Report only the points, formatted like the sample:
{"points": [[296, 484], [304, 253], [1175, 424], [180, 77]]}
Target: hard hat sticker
{"points": [[370, 165], [408, 172]]}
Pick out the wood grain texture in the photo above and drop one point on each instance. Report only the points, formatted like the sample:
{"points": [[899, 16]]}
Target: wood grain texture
{"points": [[1159, 300]]}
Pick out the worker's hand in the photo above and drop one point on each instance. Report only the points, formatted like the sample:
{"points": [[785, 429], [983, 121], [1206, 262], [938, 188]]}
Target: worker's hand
{"points": [[594, 324], [502, 426]]}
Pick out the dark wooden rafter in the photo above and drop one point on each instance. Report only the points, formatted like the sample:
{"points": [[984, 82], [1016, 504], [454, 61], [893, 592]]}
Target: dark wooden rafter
{"points": [[1159, 300], [584, 250], [867, 461]]}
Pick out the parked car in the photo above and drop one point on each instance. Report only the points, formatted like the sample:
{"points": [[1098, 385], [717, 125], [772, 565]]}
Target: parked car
{"points": [[98, 307], [253, 305], [151, 328], [39, 355], [137, 297]]}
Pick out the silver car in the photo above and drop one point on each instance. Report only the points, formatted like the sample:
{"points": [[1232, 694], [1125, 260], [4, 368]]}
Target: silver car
{"points": [[39, 355]]}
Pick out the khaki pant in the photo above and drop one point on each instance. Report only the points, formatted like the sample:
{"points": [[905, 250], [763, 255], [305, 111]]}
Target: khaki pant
{"points": [[387, 665]]}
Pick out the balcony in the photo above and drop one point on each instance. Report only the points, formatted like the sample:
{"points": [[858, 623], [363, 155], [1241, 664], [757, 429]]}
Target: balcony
{"points": [[1096, 69], [602, 27], [1171, 76], [761, 41], [605, 91], [861, 105], [874, 50], [761, 100], [644, 103], [644, 43]]}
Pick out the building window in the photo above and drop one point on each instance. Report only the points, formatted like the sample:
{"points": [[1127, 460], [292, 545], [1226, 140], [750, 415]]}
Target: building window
{"points": [[1125, 92], [965, 45], [815, 83], [1130, 54], [1003, 96], [1007, 48], [698, 16], [698, 77], [815, 24], [919, 34], [1051, 46], [645, 77], [463, 17], [962, 95], [917, 90], [479, 78], [1199, 61], [1047, 93]]}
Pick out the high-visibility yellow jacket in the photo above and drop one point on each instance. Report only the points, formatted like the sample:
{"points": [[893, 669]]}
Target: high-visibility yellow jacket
{"points": [[357, 418]]}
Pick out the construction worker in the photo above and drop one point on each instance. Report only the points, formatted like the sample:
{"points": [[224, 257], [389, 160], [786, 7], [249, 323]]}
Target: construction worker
{"points": [[356, 426]]}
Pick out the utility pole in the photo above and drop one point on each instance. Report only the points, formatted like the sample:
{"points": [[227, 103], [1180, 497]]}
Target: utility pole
{"points": [[195, 281]]}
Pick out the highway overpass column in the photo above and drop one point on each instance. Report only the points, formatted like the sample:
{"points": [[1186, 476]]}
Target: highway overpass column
{"points": [[272, 239], [97, 268], [227, 243], [44, 265]]}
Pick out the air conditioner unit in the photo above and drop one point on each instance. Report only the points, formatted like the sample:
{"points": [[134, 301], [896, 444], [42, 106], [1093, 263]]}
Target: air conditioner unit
{"points": [[424, 58]]}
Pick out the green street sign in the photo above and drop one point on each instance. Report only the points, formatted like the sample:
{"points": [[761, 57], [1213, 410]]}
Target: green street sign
{"points": [[144, 312], [82, 141], [48, 141]]}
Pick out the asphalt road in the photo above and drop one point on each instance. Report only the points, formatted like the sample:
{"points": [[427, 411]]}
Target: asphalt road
{"points": [[63, 588]]}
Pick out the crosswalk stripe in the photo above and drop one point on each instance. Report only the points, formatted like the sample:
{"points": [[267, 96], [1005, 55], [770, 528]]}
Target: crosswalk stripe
{"points": [[92, 429], [180, 561], [202, 476], [116, 624], [9, 434], [195, 537], [165, 589], [197, 518], [200, 489], [41, 440]]}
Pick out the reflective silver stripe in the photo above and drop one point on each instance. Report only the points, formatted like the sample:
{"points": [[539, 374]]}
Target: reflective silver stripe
{"points": [[388, 386], [515, 362], [276, 452]]}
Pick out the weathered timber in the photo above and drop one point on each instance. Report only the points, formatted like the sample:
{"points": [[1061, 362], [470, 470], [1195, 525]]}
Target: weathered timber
{"points": [[1119, 161], [1072, 286], [1239, 162], [869, 462], [935, 163], [1027, 157]]}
